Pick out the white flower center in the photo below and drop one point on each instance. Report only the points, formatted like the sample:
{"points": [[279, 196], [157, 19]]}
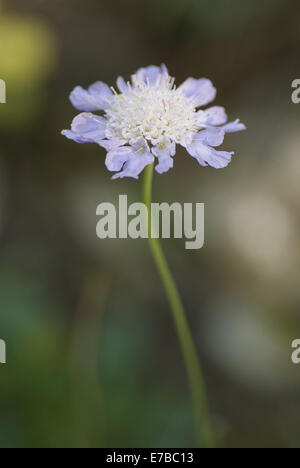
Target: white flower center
{"points": [[152, 112]]}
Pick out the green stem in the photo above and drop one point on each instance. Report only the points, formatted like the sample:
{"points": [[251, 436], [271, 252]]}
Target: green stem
{"points": [[202, 422]]}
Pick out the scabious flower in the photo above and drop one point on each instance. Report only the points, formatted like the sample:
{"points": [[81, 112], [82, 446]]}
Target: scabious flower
{"points": [[149, 116]]}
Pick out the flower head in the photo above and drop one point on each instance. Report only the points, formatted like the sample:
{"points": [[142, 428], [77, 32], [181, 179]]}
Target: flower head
{"points": [[149, 116]]}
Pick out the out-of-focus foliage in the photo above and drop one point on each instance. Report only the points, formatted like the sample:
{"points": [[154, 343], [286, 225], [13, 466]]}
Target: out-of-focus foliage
{"points": [[213, 18]]}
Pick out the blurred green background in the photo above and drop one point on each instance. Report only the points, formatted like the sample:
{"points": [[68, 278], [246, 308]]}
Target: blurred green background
{"points": [[93, 360]]}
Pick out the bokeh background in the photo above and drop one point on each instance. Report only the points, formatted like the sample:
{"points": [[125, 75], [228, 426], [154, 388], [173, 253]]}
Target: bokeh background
{"points": [[93, 360]]}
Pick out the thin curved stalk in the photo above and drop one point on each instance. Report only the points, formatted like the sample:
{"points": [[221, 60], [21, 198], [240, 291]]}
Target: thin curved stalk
{"points": [[197, 387]]}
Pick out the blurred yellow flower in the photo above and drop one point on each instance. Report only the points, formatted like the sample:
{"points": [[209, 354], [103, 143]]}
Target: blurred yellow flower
{"points": [[27, 57]]}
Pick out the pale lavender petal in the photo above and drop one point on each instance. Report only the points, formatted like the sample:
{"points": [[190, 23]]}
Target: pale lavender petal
{"points": [[220, 159], [216, 115], [233, 127], [122, 85], [87, 128], [206, 155], [151, 74], [73, 136], [116, 158], [213, 136], [201, 92], [90, 126], [112, 144], [100, 89], [139, 158], [165, 71], [93, 99], [199, 151], [164, 151], [135, 165], [140, 146]]}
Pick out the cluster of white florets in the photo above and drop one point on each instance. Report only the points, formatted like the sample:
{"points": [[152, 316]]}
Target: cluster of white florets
{"points": [[153, 112]]}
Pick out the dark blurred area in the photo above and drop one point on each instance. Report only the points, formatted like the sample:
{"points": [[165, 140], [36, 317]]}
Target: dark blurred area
{"points": [[93, 359]]}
